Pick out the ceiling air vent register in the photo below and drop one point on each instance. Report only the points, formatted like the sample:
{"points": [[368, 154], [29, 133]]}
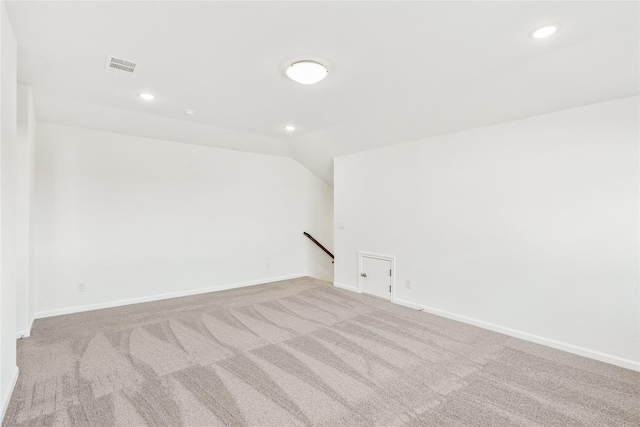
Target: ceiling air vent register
{"points": [[121, 66]]}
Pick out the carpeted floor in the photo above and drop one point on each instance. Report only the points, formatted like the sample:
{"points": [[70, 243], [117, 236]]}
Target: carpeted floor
{"points": [[300, 352]]}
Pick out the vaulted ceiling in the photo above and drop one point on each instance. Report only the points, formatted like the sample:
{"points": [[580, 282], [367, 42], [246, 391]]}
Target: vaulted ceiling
{"points": [[398, 71]]}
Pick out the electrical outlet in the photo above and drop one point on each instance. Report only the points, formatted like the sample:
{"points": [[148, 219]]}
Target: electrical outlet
{"points": [[82, 287], [407, 284], [268, 266]]}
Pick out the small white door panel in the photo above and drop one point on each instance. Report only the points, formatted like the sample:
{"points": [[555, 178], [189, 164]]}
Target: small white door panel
{"points": [[376, 277]]}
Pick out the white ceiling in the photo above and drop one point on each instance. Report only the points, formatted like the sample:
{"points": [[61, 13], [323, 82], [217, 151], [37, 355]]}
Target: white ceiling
{"points": [[398, 71]]}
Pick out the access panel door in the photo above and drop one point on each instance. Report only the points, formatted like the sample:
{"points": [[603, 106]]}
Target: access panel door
{"points": [[376, 277]]}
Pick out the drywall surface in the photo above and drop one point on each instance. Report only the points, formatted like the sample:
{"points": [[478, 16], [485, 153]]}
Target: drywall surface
{"points": [[25, 157], [528, 227], [318, 204], [131, 218], [8, 82]]}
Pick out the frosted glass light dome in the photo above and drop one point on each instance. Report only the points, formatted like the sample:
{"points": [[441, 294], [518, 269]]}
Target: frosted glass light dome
{"points": [[307, 72]]}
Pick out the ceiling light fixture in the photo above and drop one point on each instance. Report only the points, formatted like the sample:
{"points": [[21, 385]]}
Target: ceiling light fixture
{"points": [[147, 96], [543, 32], [189, 112], [307, 72], [289, 128]]}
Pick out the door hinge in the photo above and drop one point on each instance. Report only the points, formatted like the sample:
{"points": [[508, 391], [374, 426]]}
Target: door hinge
{"points": [[389, 288], [389, 273]]}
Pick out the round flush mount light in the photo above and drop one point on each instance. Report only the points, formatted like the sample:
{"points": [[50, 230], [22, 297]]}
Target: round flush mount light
{"points": [[289, 128], [189, 112], [543, 32], [307, 72], [147, 96]]}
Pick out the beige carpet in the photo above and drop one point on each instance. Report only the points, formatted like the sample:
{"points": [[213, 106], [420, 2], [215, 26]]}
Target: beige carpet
{"points": [[300, 352]]}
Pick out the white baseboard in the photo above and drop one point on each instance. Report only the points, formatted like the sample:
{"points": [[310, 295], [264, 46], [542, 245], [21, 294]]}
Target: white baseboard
{"points": [[570, 348], [315, 275], [5, 404], [412, 305], [111, 304], [580, 351], [347, 287], [27, 332]]}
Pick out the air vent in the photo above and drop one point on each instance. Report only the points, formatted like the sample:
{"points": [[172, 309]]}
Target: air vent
{"points": [[121, 66]]}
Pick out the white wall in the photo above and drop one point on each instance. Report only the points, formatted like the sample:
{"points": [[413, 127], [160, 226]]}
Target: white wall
{"points": [[25, 199], [528, 227], [8, 82], [133, 218], [318, 203]]}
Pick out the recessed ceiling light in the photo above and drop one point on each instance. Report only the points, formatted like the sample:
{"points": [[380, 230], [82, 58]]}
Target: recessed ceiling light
{"points": [[147, 96], [290, 128], [543, 32], [307, 72], [189, 112]]}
